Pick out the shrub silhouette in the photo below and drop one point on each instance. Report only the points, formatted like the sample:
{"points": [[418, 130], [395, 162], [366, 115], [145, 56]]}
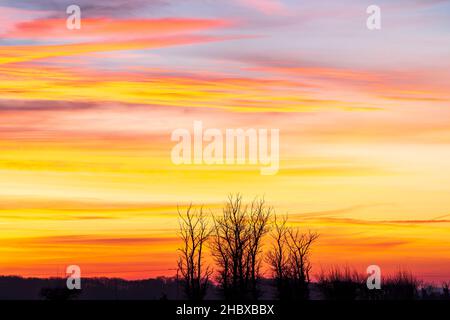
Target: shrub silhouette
{"points": [[341, 284], [401, 286], [346, 284]]}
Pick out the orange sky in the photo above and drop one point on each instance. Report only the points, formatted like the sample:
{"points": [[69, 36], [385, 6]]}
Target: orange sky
{"points": [[86, 117]]}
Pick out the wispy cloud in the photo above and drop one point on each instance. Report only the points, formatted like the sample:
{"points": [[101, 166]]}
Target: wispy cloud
{"points": [[108, 28], [14, 54], [100, 241]]}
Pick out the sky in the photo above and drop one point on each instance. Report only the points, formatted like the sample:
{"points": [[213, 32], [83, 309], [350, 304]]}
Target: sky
{"points": [[86, 117]]}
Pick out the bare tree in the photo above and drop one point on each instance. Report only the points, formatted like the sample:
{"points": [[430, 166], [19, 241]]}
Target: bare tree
{"points": [[237, 246], [299, 246], [278, 258], [289, 259], [258, 227], [194, 231]]}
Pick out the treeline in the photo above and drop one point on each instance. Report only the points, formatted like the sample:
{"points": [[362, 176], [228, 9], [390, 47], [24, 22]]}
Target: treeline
{"points": [[18, 288], [235, 241]]}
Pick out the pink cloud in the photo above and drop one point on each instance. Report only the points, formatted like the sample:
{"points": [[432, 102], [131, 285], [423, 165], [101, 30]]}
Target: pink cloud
{"points": [[109, 28], [269, 7], [12, 16]]}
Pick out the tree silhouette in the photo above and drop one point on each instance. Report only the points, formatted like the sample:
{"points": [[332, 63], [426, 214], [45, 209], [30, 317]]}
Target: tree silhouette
{"points": [[289, 260], [194, 231], [236, 246], [278, 259], [299, 248]]}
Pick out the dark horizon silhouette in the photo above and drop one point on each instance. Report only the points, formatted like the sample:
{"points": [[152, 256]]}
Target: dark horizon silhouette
{"points": [[168, 288]]}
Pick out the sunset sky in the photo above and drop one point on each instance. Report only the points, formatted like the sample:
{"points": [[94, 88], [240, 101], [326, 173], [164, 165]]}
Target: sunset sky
{"points": [[86, 116]]}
